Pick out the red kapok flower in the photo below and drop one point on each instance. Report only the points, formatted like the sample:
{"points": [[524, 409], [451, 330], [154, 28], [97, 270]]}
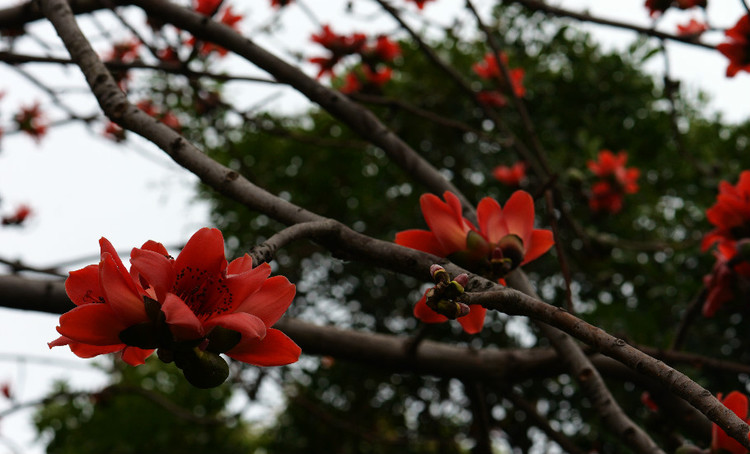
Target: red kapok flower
{"points": [[492, 98], [227, 18], [720, 441], [657, 7], [31, 121], [19, 217], [5, 390], [280, 3], [191, 308], [339, 45], [384, 49], [168, 118], [616, 180], [737, 49], [730, 215], [124, 51], [693, 29], [489, 69], [114, 132], [206, 7], [510, 176], [420, 3], [506, 238]]}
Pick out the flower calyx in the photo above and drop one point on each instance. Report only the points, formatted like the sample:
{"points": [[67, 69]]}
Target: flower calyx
{"points": [[443, 297], [507, 255]]}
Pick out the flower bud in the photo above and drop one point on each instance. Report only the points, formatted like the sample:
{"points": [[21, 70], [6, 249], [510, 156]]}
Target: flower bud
{"points": [[512, 247], [462, 279]]}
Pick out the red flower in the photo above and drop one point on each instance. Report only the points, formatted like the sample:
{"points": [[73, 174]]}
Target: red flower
{"points": [[720, 441], [692, 29], [191, 308], [720, 285], [617, 180], [227, 18], [730, 215], [19, 217], [5, 390], [657, 7], [280, 3], [492, 98], [506, 238], [384, 49], [510, 176], [168, 118], [31, 121], [737, 49], [351, 83], [339, 45], [420, 3], [114, 132], [489, 69], [124, 51], [207, 7]]}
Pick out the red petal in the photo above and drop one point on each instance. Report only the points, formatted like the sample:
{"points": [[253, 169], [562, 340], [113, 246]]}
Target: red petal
{"points": [[240, 265], [94, 324], [271, 301], [491, 220], [181, 320], [82, 286], [276, 349], [473, 322], [540, 242], [202, 257], [245, 285], [156, 269], [250, 326], [152, 245], [445, 220], [120, 293], [421, 240], [85, 350], [519, 215], [135, 356], [423, 312]]}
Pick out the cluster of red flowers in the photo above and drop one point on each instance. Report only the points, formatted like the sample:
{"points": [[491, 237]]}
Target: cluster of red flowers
{"points": [[510, 175], [656, 7], [123, 52], [189, 309], [18, 217], [374, 56], [31, 120], [489, 69], [615, 180], [737, 49], [692, 29], [166, 117], [730, 216], [506, 239], [210, 8]]}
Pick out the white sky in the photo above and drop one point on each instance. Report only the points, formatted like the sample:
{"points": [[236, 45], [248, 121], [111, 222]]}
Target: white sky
{"points": [[83, 187]]}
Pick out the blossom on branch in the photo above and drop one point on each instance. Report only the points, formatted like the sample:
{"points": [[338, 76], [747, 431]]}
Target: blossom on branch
{"points": [[228, 18], [510, 176], [505, 239], [32, 121], [19, 216], [280, 3], [737, 49], [166, 117], [692, 29], [616, 180], [489, 69], [720, 441], [420, 3], [338, 45], [656, 7], [191, 309], [730, 216]]}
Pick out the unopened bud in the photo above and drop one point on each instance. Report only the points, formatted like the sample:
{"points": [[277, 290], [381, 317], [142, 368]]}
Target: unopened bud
{"points": [[462, 279], [439, 275], [451, 309]]}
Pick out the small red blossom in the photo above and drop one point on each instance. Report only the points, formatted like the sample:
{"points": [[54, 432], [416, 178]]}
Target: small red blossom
{"points": [[420, 3], [191, 309], [280, 3], [720, 441], [616, 180], [5, 390], [384, 49], [31, 120], [489, 69], [648, 401], [693, 29], [168, 118], [510, 176], [737, 48], [19, 216], [505, 239], [227, 18], [657, 7], [728, 276], [207, 7], [114, 132], [730, 215], [492, 98], [339, 45], [124, 51]]}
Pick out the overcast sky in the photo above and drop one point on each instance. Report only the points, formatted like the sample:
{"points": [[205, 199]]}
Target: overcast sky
{"points": [[83, 187]]}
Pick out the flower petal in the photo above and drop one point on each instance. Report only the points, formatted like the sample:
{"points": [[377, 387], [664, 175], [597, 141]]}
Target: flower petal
{"points": [[491, 221], [181, 320], [135, 356], [271, 301], [275, 349], [120, 292], [202, 256], [155, 268], [541, 241], [445, 220], [244, 285], [82, 286], [519, 215], [250, 326], [473, 322], [85, 350], [240, 265], [421, 240], [95, 324]]}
